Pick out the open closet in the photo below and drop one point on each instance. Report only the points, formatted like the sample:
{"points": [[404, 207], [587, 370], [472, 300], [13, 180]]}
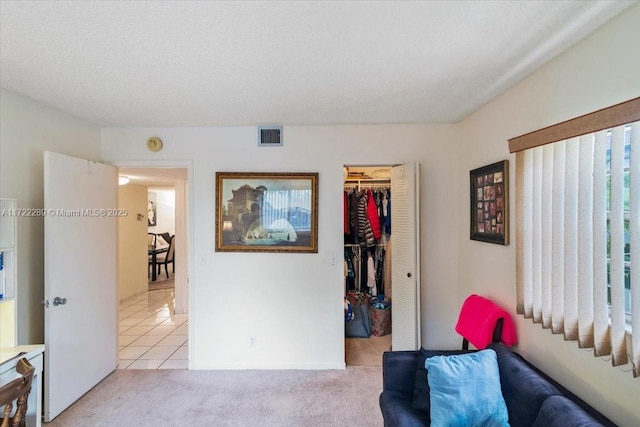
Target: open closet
{"points": [[367, 263]]}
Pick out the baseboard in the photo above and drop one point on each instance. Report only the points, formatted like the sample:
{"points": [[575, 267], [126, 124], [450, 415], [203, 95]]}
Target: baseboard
{"points": [[270, 367]]}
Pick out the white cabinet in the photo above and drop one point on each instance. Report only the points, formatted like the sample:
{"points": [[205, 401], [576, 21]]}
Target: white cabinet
{"points": [[8, 274]]}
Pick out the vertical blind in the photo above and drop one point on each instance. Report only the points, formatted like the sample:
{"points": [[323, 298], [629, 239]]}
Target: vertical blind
{"points": [[578, 230]]}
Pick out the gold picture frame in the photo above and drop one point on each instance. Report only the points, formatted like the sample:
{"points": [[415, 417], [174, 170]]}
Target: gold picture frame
{"points": [[490, 203], [266, 212]]}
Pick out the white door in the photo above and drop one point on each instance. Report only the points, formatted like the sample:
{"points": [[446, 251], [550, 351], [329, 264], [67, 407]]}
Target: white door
{"points": [[80, 278], [405, 257]]}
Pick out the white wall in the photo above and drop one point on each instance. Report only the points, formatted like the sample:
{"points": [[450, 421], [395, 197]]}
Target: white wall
{"points": [[27, 129], [600, 71], [133, 257], [293, 303], [165, 210]]}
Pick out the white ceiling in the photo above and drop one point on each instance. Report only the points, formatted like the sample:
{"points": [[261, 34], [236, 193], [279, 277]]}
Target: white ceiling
{"points": [[154, 177], [198, 63]]}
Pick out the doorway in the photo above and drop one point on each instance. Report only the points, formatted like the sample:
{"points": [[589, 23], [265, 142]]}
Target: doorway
{"points": [[153, 296], [367, 258], [90, 257], [382, 269]]}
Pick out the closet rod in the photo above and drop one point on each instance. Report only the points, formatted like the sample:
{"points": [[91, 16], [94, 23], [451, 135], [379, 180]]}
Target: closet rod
{"points": [[359, 181], [383, 185]]}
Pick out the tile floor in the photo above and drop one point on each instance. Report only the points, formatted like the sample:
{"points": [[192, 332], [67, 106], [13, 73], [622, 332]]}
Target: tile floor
{"points": [[151, 336]]}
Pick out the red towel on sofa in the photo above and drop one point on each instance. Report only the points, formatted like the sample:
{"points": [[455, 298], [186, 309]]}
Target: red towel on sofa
{"points": [[478, 318]]}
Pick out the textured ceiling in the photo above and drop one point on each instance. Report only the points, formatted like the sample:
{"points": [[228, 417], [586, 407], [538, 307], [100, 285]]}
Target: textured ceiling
{"points": [[166, 63]]}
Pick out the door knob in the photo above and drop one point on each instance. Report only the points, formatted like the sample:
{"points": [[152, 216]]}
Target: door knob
{"points": [[59, 301], [408, 274]]}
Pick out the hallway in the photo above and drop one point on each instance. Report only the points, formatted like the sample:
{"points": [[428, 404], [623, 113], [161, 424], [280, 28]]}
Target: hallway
{"points": [[150, 336]]}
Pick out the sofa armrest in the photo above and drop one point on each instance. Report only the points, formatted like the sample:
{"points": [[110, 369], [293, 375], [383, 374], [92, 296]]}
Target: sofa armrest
{"points": [[399, 370], [504, 354], [560, 411]]}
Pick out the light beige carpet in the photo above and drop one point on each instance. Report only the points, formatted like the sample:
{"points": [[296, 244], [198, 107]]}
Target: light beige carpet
{"points": [[281, 398], [366, 351]]}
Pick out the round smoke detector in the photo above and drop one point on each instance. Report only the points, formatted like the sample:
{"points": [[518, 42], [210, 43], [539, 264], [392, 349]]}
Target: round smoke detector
{"points": [[154, 144]]}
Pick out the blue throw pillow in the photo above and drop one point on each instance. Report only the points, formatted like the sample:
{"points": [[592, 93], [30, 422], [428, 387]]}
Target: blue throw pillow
{"points": [[465, 390]]}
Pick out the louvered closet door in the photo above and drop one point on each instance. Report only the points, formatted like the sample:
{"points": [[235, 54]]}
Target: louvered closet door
{"points": [[405, 257]]}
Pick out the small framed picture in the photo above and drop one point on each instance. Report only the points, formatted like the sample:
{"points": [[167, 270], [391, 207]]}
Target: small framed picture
{"points": [[490, 203], [152, 212]]}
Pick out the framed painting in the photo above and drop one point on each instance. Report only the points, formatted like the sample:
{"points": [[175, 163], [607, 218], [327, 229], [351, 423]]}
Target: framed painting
{"points": [[152, 211], [490, 203], [266, 212]]}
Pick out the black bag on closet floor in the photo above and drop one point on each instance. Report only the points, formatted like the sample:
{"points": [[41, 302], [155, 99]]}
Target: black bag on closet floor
{"points": [[360, 326]]}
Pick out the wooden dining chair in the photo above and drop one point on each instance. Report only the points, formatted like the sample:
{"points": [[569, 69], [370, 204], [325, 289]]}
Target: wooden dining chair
{"points": [[151, 243], [166, 258], [17, 391], [165, 236]]}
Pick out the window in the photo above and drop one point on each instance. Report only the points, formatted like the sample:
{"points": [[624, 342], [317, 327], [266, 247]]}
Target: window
{"points": [[578, 230], [627, 218]]}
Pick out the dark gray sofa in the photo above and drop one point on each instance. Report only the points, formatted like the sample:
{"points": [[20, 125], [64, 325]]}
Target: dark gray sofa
{"points": [[532, 398]]}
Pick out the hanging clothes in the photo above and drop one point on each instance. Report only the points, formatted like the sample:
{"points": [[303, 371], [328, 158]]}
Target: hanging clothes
{"points": [[350, 273], [384, 206], [363, 272], [346, 267], [371, 275], [380, 253], [387, 221], [387, 270], [366, 213], [372, 215], [345, 212], [379, 196], [365, 231], [353, 216]]}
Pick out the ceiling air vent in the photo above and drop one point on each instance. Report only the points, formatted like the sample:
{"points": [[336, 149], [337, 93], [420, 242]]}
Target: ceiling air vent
{"points": [[269, 136]]}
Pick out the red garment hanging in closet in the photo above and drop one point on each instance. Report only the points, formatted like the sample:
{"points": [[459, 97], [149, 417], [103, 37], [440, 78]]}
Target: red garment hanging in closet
{"points": [[372, 214]]}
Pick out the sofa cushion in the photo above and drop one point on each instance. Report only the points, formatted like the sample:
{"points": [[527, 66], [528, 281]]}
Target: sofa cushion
{"points": [[421, 389], [465, 390], [523, 389], [398, 370], [558, 411], [397, 410]]}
